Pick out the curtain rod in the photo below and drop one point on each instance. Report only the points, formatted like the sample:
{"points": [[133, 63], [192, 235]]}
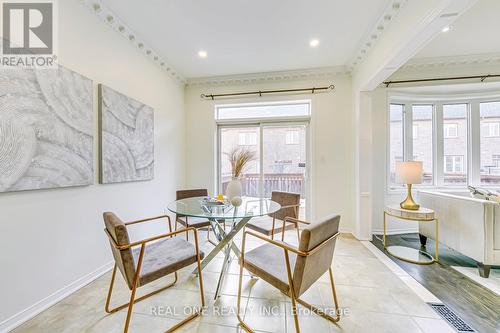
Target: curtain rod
{"points": [[263, 92], [482, 77]]}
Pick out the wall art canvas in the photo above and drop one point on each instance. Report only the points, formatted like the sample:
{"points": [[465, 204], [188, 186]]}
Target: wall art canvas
{"points": [[46, 129], [127, 138]]}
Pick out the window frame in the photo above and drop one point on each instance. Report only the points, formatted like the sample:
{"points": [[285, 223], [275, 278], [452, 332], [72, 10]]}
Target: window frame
{"points": [[473, 161]]}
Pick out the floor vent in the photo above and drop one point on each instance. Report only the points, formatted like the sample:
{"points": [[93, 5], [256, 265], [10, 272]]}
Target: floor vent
{"points": [[450, 316]]}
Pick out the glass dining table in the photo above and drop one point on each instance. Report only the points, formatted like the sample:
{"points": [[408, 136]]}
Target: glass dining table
{"points": [[217, 213]]}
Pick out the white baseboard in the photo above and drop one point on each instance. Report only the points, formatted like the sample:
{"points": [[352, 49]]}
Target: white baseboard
{"points": [[19, 318], [393, 231]]}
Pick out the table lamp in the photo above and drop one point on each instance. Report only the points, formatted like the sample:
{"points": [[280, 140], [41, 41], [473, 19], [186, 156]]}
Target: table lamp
{"points": [[409, 172]]}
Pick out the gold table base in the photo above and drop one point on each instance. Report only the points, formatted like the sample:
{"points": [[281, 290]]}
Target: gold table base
{"points": [[409, 254]]}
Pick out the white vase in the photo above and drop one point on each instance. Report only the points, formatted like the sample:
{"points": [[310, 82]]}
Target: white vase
{"points": [[234, 189]]}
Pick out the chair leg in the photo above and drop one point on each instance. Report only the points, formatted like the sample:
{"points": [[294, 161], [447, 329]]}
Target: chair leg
{"points": [[321, 312], [291, 291], [134, 289], [137, 300], [272, 230], [202, 295], [130, 306], [240, 282]]}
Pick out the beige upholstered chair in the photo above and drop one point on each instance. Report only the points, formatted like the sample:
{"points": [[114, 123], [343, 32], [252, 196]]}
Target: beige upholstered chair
{"points": [[144, 261], [267, 225], [294, 270]]}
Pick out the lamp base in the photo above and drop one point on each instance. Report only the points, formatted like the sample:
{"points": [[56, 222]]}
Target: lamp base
{"points": [[409, 203]]}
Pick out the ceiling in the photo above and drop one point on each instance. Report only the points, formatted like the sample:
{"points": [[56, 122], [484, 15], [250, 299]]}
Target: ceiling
{"points": [[475, 32], [242, 36]]}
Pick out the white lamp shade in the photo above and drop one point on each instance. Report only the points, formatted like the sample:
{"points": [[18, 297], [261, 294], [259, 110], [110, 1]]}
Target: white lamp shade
{"points": [[409, 172]]}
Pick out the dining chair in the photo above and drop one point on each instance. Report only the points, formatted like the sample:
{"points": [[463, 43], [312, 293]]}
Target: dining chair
{"points": [[144, 261], [195, 222], [293, 270], [267, 225]]}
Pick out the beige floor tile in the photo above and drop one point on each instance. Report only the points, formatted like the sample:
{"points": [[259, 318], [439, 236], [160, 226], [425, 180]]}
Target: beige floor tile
{"points": [[428, 325], [200, 327], [373, 298], [266, 315], [373, 322]]}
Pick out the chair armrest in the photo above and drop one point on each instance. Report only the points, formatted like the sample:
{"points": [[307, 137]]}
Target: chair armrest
{"points": [[290, 206], [291, 248], [281, 244], [152, 219], [295, 221], [150, 239]]}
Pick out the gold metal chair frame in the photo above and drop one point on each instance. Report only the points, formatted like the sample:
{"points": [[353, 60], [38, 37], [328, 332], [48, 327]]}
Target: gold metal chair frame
{"points": [[209, 228], [291, 291], [287, 219], [143, 243]]}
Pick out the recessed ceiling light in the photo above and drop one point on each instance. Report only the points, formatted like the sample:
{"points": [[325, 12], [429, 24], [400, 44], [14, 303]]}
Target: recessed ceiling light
{"points": [[314, 42], [446, 29], [202, 54]]}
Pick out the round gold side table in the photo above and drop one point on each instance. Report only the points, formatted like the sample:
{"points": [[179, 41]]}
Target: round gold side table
{"points": [[406, 253]]}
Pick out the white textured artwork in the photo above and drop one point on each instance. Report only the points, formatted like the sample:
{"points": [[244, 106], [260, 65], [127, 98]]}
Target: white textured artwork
{"points": [[46, 129], [127, 138]]}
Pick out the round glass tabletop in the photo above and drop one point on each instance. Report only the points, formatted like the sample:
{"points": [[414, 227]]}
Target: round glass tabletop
{"points": [[204, 207]]}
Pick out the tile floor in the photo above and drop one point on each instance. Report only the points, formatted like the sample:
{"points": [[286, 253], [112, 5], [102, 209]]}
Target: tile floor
{"points": [[374, 299]]}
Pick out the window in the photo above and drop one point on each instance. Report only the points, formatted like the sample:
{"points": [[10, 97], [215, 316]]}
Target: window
{"points": [[453, 164], [292, 138], [291, 109], [490, 143], [450, 131], [491, 129], [247, 138], [396, 139], [455, 143], [422, 117], [420, 142]]}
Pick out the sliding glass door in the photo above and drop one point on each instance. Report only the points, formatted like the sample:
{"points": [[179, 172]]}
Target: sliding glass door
{"points": [[281, 158]]}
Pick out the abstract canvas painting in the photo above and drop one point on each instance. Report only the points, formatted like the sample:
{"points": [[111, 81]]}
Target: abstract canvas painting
{"points": [[127, 138], [46, 129]]}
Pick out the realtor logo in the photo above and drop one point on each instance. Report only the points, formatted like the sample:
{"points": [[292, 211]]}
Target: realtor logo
{"points": [[27, 28], [28, 33]]}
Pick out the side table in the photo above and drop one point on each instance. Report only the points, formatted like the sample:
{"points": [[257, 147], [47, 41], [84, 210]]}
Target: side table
{"points": [[406, 253]]}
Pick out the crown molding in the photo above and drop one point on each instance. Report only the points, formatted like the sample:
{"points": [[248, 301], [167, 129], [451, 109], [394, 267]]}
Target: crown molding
{"points": [[106, 15], [278, 76], [453, 61], [369, 41]]}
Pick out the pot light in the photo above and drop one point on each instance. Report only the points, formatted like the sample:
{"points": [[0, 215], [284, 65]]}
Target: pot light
{"points": [[446, 29], [314, 42], [202, 54]]}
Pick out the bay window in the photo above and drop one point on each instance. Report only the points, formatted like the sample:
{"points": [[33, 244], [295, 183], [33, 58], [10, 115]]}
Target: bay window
{"points": [[396, 138], [455, 146], [457, 140], [490, 143], [422, 150]]}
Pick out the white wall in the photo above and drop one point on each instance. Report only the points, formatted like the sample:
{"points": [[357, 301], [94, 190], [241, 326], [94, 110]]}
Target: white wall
{"points": [[51, 239], [331, 140]]}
